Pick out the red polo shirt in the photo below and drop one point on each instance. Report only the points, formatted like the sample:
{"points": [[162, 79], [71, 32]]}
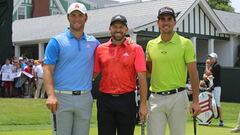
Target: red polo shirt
{"points": [[119, 65]]}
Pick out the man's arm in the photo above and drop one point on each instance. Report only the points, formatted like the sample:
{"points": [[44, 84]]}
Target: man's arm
{"points": [[35, 73], [94, 76], [149, 66], [194, 80], [143, 95], [51, 102], [208, 68]]}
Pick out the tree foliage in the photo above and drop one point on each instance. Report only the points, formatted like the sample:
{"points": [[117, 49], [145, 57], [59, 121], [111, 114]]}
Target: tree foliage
{"points": [[221, 5]]}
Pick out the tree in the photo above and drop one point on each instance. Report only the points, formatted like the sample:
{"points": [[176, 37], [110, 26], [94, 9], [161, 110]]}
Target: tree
{"points": [[221, 5]]}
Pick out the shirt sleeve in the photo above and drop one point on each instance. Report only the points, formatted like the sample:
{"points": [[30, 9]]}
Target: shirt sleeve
{"points": [[97, 67], [189, 54], [140, 62], [216, 70], [52, 52]]}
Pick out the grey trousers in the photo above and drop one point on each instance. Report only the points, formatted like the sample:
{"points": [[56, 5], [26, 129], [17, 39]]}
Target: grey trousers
{"points": [[171, 110], [74, 114], [40, 91]]}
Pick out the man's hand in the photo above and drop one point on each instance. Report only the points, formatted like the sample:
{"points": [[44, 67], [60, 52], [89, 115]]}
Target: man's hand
{"points": [[130, 40], [52, 103], [195, 109], [143, 111]]}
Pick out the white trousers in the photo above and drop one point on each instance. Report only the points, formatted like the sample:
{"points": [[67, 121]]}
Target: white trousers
{"points": [[171, 110]]}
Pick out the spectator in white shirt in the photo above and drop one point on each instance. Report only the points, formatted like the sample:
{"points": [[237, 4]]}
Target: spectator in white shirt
{"points": [[7, 78], [39, 80]]}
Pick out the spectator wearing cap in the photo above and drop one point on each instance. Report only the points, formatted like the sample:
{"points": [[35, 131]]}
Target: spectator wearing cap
{"points": [[119, 62], [67, 74], [169, 57], [213, 68]]}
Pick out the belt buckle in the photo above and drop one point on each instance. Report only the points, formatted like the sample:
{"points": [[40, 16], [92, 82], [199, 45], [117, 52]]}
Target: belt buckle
{"points": [[76, 93], [115, 95], [165, 93]]}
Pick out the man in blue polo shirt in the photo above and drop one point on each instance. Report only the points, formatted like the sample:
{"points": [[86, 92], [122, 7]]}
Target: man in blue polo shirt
{"points": [[68, 74]]}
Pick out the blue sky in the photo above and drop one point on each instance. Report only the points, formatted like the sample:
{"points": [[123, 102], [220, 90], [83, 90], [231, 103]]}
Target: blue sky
{"points": [[235, 4]]}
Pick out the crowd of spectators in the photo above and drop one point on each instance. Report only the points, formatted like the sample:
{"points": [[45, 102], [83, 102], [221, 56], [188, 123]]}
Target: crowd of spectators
{"points": [[21, 77]]}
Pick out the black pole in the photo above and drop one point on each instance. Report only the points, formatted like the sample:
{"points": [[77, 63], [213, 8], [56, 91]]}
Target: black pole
{"points": [[143, 125], [195, 125], [54, 123]]}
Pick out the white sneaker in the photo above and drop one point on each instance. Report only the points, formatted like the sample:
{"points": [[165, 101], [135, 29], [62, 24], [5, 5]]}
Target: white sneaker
{"points": [[235, 130]]}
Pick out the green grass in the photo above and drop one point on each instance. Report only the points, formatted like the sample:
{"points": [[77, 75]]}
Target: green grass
{"points": [[31, 117], [23, 112]]}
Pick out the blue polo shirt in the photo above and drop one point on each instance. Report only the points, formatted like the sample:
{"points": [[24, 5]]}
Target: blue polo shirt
{"points": [[73, 60]]}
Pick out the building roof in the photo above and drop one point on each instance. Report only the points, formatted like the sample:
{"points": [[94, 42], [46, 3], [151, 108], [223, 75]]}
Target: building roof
{"points": [[139, 15], [230, 20], [104, 3], [35, 30]]}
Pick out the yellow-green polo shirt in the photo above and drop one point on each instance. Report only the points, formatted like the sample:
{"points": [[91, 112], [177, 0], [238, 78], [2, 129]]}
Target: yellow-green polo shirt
{"points": [[169, 62]]}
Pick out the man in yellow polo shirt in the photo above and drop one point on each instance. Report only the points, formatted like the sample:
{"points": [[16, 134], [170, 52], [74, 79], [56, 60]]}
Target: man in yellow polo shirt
{"points": [[169, 57]]}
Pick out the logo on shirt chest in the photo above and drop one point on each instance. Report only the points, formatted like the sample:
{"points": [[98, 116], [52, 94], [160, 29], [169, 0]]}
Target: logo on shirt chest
{"points": [[164, 52], [125, 54], [88, 46]]}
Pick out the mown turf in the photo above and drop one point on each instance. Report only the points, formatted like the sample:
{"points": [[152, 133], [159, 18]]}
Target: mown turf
{"points": [[31, 117]]}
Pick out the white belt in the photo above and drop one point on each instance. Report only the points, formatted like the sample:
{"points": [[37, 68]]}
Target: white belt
{"points": [[79, 92]]}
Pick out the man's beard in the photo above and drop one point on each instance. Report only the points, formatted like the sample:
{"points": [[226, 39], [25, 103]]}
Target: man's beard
{"points": [[118, 37], [76, 28]]}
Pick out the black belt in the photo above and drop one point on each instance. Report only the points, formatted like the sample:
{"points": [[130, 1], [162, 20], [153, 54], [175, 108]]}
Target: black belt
{"points": [[169, 92]]}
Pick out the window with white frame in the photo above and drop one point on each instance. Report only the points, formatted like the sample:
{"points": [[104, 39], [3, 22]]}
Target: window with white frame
{"points": [[55, 12], [28, 1], [22, 13]]}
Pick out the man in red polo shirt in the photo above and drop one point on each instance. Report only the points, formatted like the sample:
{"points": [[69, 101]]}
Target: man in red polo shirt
{"points": [[119, 64]]}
